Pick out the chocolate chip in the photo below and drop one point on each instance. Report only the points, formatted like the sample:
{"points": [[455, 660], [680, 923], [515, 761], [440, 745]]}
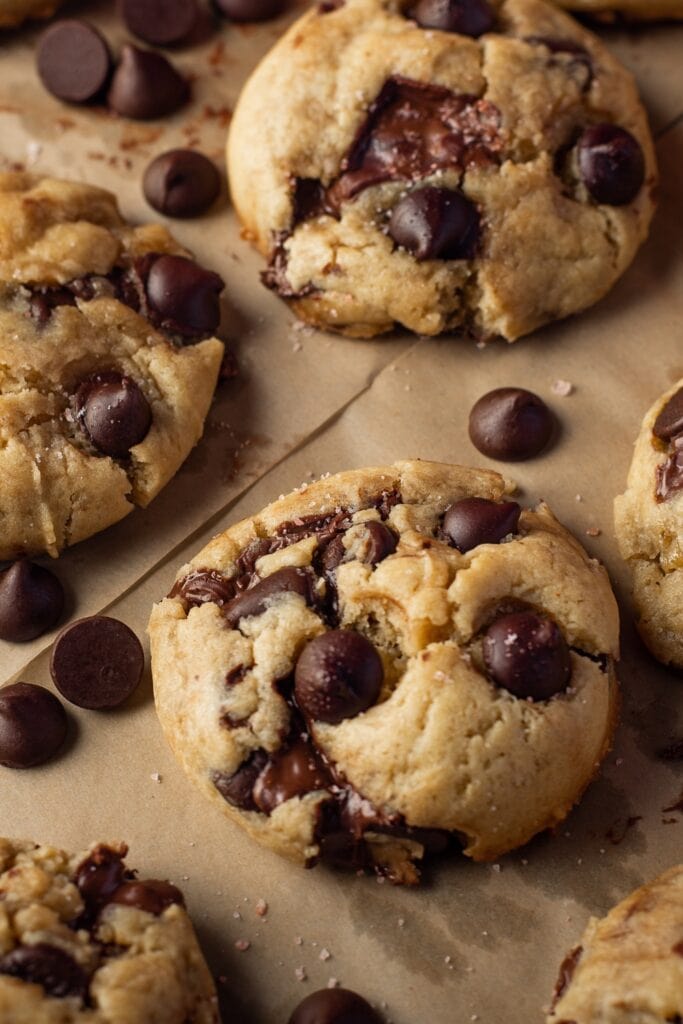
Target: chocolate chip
{"points": [[150, 894], [293, 771], [250, 10], [435, 224], [181, 183], [238, 789], [74, 62], [146, 86], [203, 586], [338, 675], [114, 413], [527, 655], [44, 301], [334, 1006], [473, 521], [99, 876], [669, 475], [33, 725], [669, 423], [510, 424], [185, 295], [333, 555], [57, 972], [378, 543], [31, 601], [566, 973], [256, 599], [611, 164], [96, 662], [160, 22], [467, 17]]}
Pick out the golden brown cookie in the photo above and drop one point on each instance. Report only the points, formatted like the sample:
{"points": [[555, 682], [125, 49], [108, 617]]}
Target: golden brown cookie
{"points": [[107, 361], [629, 965], [648, 521], [387, 660], [396, 171], [13, 12], [83, 941]]}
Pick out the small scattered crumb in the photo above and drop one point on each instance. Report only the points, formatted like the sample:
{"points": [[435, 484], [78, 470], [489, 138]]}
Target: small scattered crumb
{"points": [[524, 861], [563, 388], [497, 868], [578, 498], [297, 346], [184, 878], [619, 761], [593, 531], [325, 954], [155, 777], [332, 983], [300, 974], [261, 908], [298, 941], [401, 922], [236, 914], [242, 945]]}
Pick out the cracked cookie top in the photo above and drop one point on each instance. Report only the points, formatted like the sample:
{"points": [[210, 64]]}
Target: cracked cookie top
{"points": [[388, 661], [84, 941], [649, 526], [107, 361], [629, 965], [437, 166]]}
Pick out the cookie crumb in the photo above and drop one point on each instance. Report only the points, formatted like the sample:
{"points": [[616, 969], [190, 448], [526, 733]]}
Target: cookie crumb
{"points": [[300, 974], [298, 941], [242, 945], [325, 954], [563, 388], [401, 922], [155, 777], [593, 531], [261, 908], [332, 983], [236, 914]]}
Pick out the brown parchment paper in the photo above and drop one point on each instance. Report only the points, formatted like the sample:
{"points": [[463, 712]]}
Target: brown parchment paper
{"points": [[475, 942]]}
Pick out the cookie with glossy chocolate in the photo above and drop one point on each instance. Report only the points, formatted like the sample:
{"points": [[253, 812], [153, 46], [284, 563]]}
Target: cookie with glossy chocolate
{"points": [[386, 662], [629, 965], [631, 10], [108, 361], [648, 521], [13, 12], [84, 939], [476, 165]]}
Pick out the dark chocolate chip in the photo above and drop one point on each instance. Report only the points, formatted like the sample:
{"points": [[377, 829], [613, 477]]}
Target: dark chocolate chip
{"points": [[669, 423], [160, 22], [467, 17], [527, 655], [43, 302], [473, 521], [435, 224], [566, 973], [338, 675], [57, 972], [238, 789], [669, 474], [250, 10], [293, 771], [185, 295], [150, 894], [204, 586], [31, 601], [256, 599], [74, 62], [333, 554], [146, 86], [611, 164], [33, 725], [114, 413], [97, 662], [510, 424], [99, 876], [334, 1006], [181, 183], [378, 543]]}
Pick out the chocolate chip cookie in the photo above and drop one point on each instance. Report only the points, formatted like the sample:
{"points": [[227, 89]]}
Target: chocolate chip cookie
{"points": [[13, 12], [649, 527], [387, 662], [83, 939], [108, 364], [629, 966], [632, 10], [474, 165]]}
